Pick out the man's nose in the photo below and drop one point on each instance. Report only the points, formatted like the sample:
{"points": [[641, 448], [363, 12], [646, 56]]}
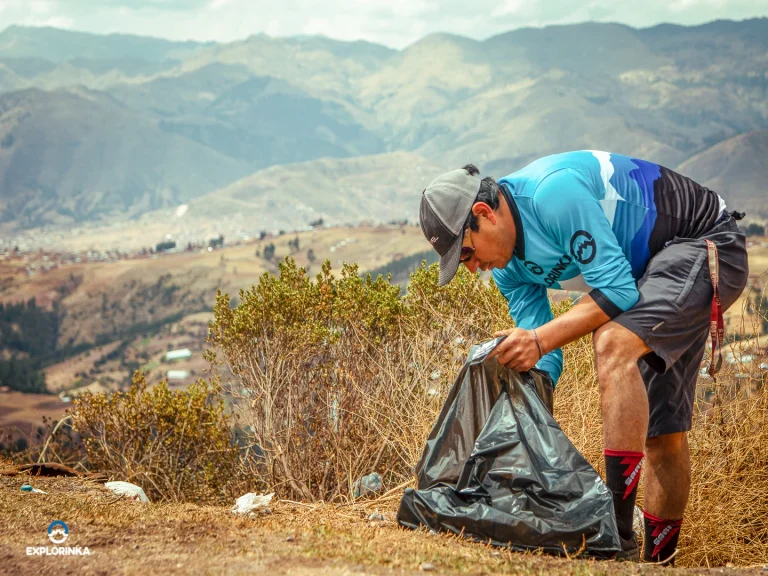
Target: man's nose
{"points": [[472, 264]]}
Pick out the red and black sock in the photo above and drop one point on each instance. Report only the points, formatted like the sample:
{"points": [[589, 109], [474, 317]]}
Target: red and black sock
{"points": [[660, 539], [622, 473]]}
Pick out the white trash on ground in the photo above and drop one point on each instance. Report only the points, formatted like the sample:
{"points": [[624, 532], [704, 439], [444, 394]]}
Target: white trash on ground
{"points": [[127, 489], [252, 502], [29, 488]]}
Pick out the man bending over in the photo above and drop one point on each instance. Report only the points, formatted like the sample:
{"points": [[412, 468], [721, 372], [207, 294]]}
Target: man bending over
{"points": [[647, 246]]}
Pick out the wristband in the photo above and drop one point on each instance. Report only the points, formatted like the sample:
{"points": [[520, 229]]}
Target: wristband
{"points": [[538, 344]]}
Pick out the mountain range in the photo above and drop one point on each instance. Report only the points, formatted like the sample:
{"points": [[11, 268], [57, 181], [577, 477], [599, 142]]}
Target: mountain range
{"points": [[94, 126]]}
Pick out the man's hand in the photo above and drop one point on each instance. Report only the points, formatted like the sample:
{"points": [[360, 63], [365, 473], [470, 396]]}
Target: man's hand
{"points": [[518, 350]]}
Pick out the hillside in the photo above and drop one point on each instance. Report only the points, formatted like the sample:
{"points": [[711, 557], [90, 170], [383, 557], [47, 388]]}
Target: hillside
{"points": [[664, 93], [267, 121], [321, 66], [109, 297], [105, 319], [67, 157], [58, 45], [736, 168], [382, 187]]}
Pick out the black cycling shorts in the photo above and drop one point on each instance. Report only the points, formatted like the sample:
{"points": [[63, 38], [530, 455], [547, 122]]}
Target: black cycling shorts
{"points": [[672, 317]]}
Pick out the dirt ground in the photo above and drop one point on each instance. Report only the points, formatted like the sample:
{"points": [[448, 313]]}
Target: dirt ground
{"points": [[64, 374], [21, 413], [126, 537]]}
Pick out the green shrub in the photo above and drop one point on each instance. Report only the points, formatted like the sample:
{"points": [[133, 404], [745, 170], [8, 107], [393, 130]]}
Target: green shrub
{"points": [[337, 377], [333, 378], [177, 445]]}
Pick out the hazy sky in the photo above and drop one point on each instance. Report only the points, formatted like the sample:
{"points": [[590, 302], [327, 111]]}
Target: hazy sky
{"points": [[395, 23]]}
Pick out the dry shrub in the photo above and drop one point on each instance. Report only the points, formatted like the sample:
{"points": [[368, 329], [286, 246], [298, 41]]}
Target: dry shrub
{"points": [[335, 378], [176, 445], [727, 515]]}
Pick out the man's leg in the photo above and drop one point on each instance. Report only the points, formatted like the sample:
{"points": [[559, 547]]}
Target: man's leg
{"points": [[667, 475], [668, 468], [667, 485], [623, 397], [672, 318], [624, 407]]}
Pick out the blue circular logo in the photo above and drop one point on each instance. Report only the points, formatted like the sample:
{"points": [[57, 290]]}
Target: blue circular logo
{"points": [[58, 532], [583, 247]]}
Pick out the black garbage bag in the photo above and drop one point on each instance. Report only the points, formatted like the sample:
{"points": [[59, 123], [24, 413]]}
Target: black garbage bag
{"points": [[498, 468]]}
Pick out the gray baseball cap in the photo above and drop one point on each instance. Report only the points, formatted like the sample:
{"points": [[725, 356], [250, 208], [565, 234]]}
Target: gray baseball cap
{"points": [[445, 207]]}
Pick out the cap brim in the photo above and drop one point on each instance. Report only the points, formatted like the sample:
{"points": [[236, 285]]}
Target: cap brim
{"points": [[449, 263]]}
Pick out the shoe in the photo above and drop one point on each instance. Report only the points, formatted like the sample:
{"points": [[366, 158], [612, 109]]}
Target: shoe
{"points": [[630, 551]]}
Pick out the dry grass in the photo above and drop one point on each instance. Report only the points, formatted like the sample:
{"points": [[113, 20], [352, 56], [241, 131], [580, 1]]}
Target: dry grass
{"points": [[129, 538], [339, 378], [727, 516], [387, 387]]}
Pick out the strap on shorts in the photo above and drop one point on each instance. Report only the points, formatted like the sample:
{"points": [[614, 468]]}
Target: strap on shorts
{"points": [[716, 324]]}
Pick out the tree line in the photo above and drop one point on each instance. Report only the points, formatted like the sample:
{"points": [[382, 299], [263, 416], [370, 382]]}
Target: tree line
{"points": [[27, 333]]}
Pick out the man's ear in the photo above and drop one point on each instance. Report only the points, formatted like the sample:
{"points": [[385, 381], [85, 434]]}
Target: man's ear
{"points": [[482, 210]]}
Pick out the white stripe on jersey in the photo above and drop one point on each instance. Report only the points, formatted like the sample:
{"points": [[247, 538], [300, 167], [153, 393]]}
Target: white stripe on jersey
{"points": [[721, 205], [611, 195]]}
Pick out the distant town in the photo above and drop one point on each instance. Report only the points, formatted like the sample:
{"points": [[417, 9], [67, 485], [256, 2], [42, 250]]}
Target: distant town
{"points": [[44, 249]]}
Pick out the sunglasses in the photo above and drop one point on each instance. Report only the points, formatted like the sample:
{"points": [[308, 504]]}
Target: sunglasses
{"points": [[467, 251]]}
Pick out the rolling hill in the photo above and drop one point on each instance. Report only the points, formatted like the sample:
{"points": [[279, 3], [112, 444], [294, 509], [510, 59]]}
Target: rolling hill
{"points": [[665, 93], [57, 45], [267, 121], [737, 169], [72, 156], [381, 187], [95, 317]]}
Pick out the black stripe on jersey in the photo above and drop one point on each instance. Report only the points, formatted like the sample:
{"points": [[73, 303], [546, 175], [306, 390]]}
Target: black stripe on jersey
{"points": [[684, 209]]}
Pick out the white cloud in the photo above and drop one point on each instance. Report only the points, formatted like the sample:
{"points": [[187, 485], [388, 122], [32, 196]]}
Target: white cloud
{"points": [[683, 5], [217, 4], [34, 13], [40, 7], [508, 7], [64, 22]]}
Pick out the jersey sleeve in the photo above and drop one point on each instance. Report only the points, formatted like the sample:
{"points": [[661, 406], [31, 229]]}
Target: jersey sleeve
{"points": [[571, 213], [529, 308]]}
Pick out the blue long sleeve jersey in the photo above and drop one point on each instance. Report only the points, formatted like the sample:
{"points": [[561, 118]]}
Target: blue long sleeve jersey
{"points": [[590, 221]]}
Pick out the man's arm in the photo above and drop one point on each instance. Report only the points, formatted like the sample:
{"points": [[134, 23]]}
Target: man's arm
{"points": [[520, 351], [529, 308], [582, 319]]}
